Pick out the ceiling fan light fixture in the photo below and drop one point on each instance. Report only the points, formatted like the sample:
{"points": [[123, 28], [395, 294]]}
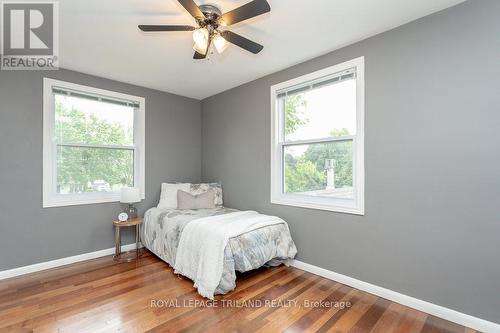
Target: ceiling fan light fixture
{"points": [[200, 37], [220, 43], [209, 18], [201, 50]]}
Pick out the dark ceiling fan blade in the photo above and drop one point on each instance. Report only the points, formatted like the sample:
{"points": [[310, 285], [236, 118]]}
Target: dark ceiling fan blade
{"points": [[192, 8], [149, 28], [249, 10], [242, 42], [198, 55]]}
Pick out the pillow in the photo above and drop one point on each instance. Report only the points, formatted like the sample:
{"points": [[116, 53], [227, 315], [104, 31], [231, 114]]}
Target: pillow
{"points": [[186, 200], [204, 187], [168, 196]]}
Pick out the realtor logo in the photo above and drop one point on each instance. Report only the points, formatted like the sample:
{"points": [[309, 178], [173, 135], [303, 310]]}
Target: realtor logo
{"points": [[29, 35]]}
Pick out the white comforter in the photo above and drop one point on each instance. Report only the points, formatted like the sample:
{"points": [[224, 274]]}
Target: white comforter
{"points": [[200, 255]]}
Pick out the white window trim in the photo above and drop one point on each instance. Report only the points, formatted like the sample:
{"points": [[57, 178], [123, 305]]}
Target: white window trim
{"points": [[356, 206], [50, 197]]}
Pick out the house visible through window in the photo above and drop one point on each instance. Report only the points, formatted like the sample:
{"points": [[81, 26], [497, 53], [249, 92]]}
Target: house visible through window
{"points": [[93, 144], [317, 134]]}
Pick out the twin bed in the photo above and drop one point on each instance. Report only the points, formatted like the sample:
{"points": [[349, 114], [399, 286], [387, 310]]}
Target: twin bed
{"points": [[209, 245]]}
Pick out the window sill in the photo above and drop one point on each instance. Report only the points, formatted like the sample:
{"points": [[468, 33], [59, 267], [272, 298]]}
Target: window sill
{"points": [[318, 206], [80, 200]]}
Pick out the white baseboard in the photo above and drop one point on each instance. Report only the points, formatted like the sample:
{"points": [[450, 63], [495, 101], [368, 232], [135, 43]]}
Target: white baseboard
{"points": [[433, 309], [61, 262]]}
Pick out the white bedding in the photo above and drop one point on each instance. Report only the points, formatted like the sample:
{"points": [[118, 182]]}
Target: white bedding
{"points": [[201, 258], [267, 246]]}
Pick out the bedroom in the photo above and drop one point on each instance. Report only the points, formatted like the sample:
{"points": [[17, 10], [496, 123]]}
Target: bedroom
{"points": [[390, 201]]}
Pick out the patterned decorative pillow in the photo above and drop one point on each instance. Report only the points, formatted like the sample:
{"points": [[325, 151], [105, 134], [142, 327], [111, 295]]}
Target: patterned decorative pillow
{"points": [[197, 189]]}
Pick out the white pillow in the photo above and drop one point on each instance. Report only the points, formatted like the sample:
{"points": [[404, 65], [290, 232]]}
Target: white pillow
{"points": [[168, 196]]}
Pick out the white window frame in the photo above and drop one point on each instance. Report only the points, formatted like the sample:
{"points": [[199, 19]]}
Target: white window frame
{"points": [[351, 206], [50, 196]]}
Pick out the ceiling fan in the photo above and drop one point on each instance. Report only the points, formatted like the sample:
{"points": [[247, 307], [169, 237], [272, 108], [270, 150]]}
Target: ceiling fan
{"points": [[209, 19]]}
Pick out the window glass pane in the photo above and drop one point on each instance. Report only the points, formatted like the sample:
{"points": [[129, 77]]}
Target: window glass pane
{"points": [[86, 121], [326, 111], [83, 170], [320, 169]]}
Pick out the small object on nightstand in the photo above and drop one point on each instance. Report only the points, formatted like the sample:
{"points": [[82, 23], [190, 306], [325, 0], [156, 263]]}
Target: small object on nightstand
{"points": [[130, 195], [122, 217], [128, 223]]}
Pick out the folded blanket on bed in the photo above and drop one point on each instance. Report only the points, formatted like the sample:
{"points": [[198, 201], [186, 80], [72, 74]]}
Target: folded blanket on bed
{"points": [[200, 255]]}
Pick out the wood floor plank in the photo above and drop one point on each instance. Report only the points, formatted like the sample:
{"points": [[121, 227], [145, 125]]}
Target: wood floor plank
{"points": [[390, 320], [352, 315], [282, 319], [371, 317], [434, 325], [314, 314], [413, 322], [330, 313], [101, 295], [328, 326], [280, 296]]}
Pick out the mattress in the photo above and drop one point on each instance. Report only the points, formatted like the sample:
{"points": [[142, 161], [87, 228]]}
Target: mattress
{"points": [[271, 246]]}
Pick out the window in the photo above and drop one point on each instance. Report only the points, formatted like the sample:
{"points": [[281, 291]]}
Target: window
{"points": [[93, 144], [317, 134]]}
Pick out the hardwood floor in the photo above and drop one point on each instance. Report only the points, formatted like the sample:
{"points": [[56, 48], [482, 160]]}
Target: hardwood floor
{"points": [[104, 296]]}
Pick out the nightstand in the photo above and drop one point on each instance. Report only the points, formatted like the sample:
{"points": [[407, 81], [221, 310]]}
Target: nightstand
{"points": [[129, 223]]}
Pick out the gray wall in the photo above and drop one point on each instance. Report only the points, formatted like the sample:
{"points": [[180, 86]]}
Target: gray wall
{"points": [[30, 234], [432, 223]]}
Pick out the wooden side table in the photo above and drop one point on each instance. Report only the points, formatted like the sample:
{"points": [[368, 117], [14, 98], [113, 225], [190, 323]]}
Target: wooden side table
{"points": [[118, 242]]}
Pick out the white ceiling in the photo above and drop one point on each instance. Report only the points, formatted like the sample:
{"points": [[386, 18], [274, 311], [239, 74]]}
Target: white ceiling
{"points": [[101, 38]]}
